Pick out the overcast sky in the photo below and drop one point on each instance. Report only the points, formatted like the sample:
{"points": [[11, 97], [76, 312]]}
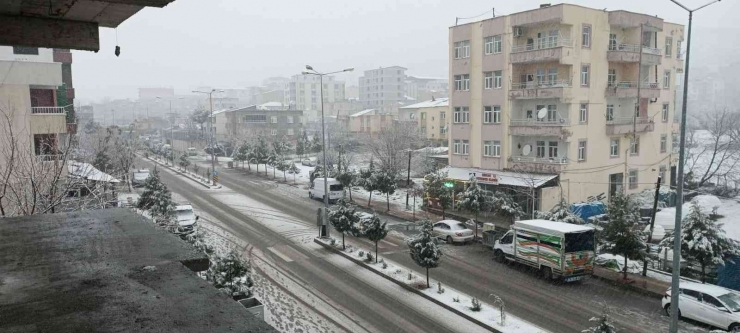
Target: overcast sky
{"points": [[237, 43]]}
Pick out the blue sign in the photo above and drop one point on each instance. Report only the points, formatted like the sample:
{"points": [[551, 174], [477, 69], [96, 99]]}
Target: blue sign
{"points": [[215, 173]]}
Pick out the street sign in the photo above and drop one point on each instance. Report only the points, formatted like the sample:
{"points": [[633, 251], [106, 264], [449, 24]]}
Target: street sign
{"points": [[215, 172], [449, 184]]}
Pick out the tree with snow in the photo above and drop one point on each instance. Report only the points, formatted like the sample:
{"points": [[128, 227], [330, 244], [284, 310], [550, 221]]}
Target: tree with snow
{"points": [[156, 198], [343, 218], [473, 200], [293, 169], [184, 162], [316, 146], [385, 182], [503, 204], [230, 274], [561, 213], [283, 166], [604, 323], [436, 189], [300, 148], [375, 232], [261, 153], [703, 240], [347, 178], [620, 234], [367, 180], [424, 251], [242, 153]]}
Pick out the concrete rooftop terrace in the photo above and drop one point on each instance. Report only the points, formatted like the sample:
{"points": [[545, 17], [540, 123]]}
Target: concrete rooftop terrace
{"points": [[83, 272]]}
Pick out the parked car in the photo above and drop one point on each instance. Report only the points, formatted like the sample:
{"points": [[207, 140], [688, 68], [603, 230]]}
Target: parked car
{"points": [[336, 189], [707, 303], [308, 163], [192, 151], [452, 231], [186, 219], [139, 177]]}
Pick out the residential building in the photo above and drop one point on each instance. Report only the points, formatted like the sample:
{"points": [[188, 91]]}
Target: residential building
{"points": [[431, 119], [303, 92], [384, 89], [32, 96], [426, 88], [342, 108], [275, 83], [553, 93], [352, 92], [369, 122], [250, 122]]}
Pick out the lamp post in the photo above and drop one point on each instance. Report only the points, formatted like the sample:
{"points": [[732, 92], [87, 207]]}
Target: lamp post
{"points": [[213, 145], [311, 71], [679, 192]]}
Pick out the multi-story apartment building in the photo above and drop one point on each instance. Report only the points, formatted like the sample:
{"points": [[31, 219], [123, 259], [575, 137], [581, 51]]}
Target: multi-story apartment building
{"points": [[250, 122], [551, 94], [425, 88], [32, 96], [430, 118], [303, 92], [384, 89], [369, 122]]}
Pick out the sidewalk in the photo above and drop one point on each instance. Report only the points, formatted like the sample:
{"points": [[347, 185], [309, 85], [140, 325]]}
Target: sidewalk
{"points": [[641, 284]]}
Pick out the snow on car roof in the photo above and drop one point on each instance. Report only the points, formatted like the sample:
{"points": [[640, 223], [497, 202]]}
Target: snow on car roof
{"points": [[708, 289], [184, 207], [550, 226], [452, 223]]}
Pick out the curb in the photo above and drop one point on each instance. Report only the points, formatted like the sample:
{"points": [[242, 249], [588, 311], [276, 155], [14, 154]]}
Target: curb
{"points": [[178, 172], [630, 287], [407, 287]]}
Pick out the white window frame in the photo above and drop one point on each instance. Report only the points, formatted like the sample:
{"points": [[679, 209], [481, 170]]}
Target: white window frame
{"points": [[662, 170], [496, 114], [552, 149], [609, 112], [611, 77], [488, 45], [635, 146], [466, 82], [487, 114], [586, 36], [487, 80], [583, 114], [462, 49], [633, 178], [456, 115], [458, 83], [668, 47], [541, 149], [667, 79], [290, 119], [274, 132], [290, 131], [497, 79], [585, 75], [487, 148], [663, 143], [664, 111], [496, 148], [582, 146], [456, 147], [465, 147], [614, 147], [465, 114], [498, 45], [273, 119]]}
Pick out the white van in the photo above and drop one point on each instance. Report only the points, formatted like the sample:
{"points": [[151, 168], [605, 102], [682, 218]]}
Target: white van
{"points": [[192, 151], [336, 189]]}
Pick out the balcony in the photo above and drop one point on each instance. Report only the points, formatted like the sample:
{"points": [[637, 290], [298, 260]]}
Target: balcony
{"points": [[48, 110], [625, 125], [544, 165], [631, 53], [541, 50], [540, 127], [547, 89], [628, 89]]}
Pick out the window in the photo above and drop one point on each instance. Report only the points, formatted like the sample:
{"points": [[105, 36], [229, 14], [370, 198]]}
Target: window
{"points": [[487, 114], [423, 130], [290, 131], [458, 82], [496, 148], [611, 77], [612, 42], [493, 44], [465, 114], [461, 114], [667, 79], [443, 130], [492, 148], [465, 147], [496, 114], [274, 132], [585, 69], [635, 146], [273, 119], [552, 76], [412, 115], [488, 80], [586, 36], [466, 81], [497, 78], [423, 115], [614, 147], [540, 76], [678, 50], [486, 148], [488, 45], [456, 115], [668, 47], [442, 115], [663, 143], [609, 112], [456, 147], [462, 49], [552, 149], [255, 118], [664, 112], [290, 119], [692, 295], [582, 150], [462, 82], [584, 113], [552, 112], [633, 178], [662, 173], [711, 301], [540, 149], [25, 50]]}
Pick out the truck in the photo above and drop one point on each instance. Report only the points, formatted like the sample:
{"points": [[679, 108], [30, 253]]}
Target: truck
{"points": [[558, 250]]}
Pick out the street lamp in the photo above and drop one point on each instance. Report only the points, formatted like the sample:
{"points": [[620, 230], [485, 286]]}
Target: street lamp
{"points": [[679, 192], [212, 143], [312, 71]]}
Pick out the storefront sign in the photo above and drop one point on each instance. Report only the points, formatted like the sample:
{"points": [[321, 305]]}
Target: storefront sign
{"points": [[488, 178]]}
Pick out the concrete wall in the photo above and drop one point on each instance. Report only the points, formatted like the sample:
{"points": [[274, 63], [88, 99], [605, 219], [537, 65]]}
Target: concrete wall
{"points": [[45, 55]]}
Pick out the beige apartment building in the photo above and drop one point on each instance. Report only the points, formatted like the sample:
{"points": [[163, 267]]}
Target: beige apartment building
{"points": [[430, 118], [369, 122], [548, 97]]}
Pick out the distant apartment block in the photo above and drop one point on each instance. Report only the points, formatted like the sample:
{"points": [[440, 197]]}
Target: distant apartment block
{"points": [[430, 118], [369, 122], [384, 89], [553, 92], [303, 92], [249, 123], [425, 88]]}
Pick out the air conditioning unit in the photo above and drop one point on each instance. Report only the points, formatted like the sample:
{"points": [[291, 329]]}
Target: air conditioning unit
{"points": [[518, 31]]}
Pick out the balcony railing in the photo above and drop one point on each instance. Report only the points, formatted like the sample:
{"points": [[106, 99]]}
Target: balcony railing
{"points": [[540, 122], [633, 48], [48, 110], [544, 84], [627, 120], [50, 157], [530, 159], [633, 84], [543, 43]]}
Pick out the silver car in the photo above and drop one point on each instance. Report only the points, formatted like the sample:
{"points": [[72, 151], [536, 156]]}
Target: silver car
{"points": [[452, 231]]}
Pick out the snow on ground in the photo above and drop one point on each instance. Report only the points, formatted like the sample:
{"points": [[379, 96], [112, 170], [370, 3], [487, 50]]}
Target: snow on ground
{"points": [[730, 212], [488, 314]]}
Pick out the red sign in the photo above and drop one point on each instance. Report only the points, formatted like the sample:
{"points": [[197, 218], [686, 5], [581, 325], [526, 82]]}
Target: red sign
{"points": [[488, 178]]}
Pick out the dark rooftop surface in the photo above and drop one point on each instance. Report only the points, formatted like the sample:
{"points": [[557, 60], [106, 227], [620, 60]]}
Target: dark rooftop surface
{"points": [[83, 272]]}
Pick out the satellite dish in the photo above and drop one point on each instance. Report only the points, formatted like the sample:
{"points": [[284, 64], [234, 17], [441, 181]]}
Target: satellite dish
{"points": [[526, 150], [542, 113]]}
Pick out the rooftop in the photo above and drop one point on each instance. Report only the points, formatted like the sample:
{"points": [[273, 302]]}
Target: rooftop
{"points": [[545, 225], [429, 104], [502, 177], [363, 113], [107, 271]]}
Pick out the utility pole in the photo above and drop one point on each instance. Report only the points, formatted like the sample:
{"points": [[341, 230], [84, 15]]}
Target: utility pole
{"points": [[408, 181], [652, 224], [214, 174]]}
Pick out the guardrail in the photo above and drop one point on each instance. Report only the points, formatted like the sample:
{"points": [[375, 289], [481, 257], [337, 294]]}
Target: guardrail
{"points": [[542, 44], [634, 48], [48, 110], [540, 122], [544, 84], [549, 160]]}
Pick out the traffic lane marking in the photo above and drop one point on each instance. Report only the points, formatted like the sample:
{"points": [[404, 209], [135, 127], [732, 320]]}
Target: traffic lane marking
{"points": [[279, 254]]}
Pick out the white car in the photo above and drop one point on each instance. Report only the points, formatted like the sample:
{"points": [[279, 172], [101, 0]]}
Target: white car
{"points": [[452, 231], [707, 303], [186, 219]]}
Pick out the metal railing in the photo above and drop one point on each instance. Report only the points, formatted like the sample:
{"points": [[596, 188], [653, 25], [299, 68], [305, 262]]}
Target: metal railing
{"points": [[633, 84], [48, 110], [543, 43], [50, 157], [544, 84], [549, 160], [627, 120], [540, 122], [633, 48]]}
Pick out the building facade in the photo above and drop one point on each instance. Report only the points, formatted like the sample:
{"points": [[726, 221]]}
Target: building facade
{"points": [[250, 123], [369, 122], [426, 88], [554, 91], [430, 118], [303, 92], [384, 89]]}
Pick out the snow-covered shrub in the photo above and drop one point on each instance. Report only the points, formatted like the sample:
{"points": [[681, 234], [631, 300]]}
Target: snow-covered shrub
{"points": [[369, 257], [360, 253], [456, 299], [604, 323], [230, 274], [333, 242], [440, 290], [383, 263], [475, 305]]}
